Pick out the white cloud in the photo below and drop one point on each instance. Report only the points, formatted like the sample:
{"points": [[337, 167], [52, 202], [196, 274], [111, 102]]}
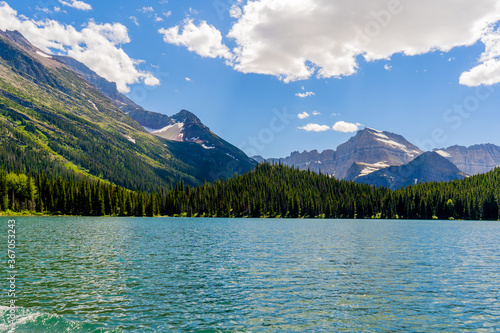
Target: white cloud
{"points": [[95, 45], [158, 18], [134, 20], [335, 114], [187, 79], [387, 67], [304, 95], [77, 4], [204, 39], [344, 127], [303, 115], [45, 10], [235, 12], [488, 70], [315, 128], [167, 14], [297, 39], [316, 113], [146, 10]]}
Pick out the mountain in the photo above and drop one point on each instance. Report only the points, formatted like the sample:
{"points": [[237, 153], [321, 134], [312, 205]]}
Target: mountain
{"points": [[376, 150], [473, 160], [183, 126], [370, 148], [55, 120], [428, 167]]}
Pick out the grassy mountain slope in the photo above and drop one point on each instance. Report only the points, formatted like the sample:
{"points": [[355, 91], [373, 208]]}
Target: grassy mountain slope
{"points": [[52, 120]]}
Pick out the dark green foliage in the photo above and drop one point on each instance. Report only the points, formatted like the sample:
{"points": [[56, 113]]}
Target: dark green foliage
{"points": [[268, 191]]}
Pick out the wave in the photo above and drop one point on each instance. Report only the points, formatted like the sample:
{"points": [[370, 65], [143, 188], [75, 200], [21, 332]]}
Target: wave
{"points": [[28, 320]]}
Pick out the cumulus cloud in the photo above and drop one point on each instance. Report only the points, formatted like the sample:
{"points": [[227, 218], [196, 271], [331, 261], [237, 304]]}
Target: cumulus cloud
{"points": [[80, 5], [303, 115], [203, 39], [387, 67], [235, 11], [315, 128], [306, 94], [298, 39], [488, 70], [344, 127], [187, 79], [95, 45], [316, 113]]}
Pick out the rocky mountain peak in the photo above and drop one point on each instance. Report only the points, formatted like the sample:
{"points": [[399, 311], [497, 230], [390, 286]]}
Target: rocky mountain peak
{"points": [[185, 116]]}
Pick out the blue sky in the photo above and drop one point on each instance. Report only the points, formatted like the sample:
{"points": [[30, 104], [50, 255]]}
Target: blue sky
{"points": [[428, 72]]}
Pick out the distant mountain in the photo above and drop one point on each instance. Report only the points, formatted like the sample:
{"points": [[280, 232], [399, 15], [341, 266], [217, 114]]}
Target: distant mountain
{"points": [[371, 149], [376, 150], [428, 167], [473, 160], [59, 118]]}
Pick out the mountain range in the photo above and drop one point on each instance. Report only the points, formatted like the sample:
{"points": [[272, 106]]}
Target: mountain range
{"points": [[387, 159], [60, 118]]}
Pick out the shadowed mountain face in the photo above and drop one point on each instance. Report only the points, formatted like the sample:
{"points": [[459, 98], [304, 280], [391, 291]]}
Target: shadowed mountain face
{"points": [[60, 118], [428, 167], [370, 148]]}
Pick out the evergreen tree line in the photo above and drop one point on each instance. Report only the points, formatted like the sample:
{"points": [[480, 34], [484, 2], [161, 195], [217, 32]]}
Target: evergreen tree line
{"points": [[268, 191]]}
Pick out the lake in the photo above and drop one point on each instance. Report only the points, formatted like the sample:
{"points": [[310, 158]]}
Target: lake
{"points": [[83, 274]]}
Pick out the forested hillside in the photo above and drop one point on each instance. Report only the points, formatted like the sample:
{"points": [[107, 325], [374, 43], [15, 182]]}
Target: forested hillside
{"points": [[268, 191], [54, 122]]}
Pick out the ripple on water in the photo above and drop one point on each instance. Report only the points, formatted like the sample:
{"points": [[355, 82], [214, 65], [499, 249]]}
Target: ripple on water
{"points": [[142, 274]]}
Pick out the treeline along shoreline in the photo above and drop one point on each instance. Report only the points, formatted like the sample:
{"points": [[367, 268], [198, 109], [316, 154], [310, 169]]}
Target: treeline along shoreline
{"points": [[274, 191]]}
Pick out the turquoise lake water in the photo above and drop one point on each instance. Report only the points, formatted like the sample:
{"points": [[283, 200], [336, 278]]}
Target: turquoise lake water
{"points": [[79, 274]]}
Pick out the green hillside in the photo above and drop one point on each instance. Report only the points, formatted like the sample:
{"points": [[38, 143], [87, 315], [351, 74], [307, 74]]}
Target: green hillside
{"points": [[55, 122]]}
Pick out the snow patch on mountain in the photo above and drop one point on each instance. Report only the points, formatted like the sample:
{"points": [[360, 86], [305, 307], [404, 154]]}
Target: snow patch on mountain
{"points": [[398, 145], [93, 104], [369, 168], [40, 53], [207, 147], [443, 153], [129, 138], [171, 132]]}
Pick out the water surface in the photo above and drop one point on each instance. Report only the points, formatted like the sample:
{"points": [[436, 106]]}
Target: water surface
{"points": [[79, 274]]}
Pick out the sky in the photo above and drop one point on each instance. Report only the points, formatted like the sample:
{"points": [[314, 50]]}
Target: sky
{"points": [[277, 76]]}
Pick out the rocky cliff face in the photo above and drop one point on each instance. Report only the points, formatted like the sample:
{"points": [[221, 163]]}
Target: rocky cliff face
{"points": [[473, 160], [428, 167]]}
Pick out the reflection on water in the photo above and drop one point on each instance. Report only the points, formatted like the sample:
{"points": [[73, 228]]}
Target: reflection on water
{"points": [[160, 274]]}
